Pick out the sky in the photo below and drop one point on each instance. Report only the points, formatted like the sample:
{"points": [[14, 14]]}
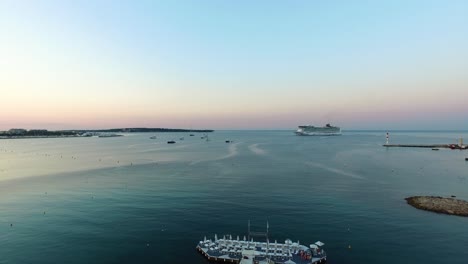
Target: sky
{"points": [[234, 64]]}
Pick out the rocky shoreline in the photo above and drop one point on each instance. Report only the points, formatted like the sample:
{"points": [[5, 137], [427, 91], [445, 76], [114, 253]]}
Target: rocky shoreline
{"points": [[439, 204]]}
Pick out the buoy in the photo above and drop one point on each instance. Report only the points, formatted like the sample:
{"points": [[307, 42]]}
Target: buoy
{"points": [[147, 244], [349, 246], [11, 225]]}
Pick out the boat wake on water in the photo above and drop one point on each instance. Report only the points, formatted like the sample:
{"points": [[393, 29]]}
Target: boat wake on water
{"points": [[232, 152], [255, 149], [335, 170]]}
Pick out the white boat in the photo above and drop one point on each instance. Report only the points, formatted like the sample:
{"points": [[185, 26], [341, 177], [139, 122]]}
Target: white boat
{"points": [[327, 130]]}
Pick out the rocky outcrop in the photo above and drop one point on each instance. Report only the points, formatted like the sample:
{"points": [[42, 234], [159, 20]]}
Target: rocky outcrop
{"points": [[439, 204]]}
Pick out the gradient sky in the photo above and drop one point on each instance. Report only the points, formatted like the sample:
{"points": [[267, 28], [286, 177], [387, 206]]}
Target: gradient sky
{"points": [[234, 64]]}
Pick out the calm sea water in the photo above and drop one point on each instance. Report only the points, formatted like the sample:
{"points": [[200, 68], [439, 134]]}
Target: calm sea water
{"points": [[136, 200]]}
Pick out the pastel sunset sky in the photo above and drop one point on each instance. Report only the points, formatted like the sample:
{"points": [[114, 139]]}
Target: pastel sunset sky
{"points": [[234, 64]]}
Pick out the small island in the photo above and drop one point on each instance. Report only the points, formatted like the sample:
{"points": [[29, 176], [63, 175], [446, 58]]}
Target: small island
{"points": [[439, 204]]}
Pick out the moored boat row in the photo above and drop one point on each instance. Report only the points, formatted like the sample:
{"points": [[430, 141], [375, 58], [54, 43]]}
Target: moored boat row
{"points": [[245, 251]]}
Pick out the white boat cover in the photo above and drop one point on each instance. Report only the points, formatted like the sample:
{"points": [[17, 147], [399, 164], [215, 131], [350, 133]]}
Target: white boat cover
{"points": [[318, 243]]}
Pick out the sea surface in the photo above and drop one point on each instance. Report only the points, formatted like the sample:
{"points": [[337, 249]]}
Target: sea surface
{"points": [[133, 199]]}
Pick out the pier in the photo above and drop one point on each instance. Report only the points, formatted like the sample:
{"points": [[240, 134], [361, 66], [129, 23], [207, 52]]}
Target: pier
{"points": [[434, 146], [460, 145], [417, 145]]}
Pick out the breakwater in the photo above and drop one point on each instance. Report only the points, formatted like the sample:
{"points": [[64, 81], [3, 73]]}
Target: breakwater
{"points": [[433, 146], [417, 145], [439, 204]]}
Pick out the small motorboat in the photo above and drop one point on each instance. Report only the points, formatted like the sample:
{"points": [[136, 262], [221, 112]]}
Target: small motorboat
{"points": [[466, 159], [171, 142], [435, 149], [192, 135], [153, 137], [228, 141]]}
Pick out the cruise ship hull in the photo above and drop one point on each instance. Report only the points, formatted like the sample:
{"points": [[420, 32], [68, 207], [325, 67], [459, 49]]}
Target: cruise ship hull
{"points": [[327, 130], [317, 133]]}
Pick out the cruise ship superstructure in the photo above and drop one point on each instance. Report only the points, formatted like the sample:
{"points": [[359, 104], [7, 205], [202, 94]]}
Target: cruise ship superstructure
{"points": [[248, 251], [327, 130]]}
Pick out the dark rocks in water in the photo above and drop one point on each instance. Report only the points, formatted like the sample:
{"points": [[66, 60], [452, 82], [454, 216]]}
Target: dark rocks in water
{"points": [[453, 196], [439, 204]]}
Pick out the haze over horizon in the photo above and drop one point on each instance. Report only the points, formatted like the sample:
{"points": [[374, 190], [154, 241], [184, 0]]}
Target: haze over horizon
{"points": [[234, 64]]}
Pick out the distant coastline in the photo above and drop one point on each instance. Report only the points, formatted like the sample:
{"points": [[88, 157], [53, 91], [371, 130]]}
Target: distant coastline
{"points": [[43, 133], [142, 129]]}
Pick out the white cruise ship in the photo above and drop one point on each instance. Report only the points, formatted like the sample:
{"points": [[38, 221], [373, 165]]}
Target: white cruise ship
{"points": [[327, 130]]}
